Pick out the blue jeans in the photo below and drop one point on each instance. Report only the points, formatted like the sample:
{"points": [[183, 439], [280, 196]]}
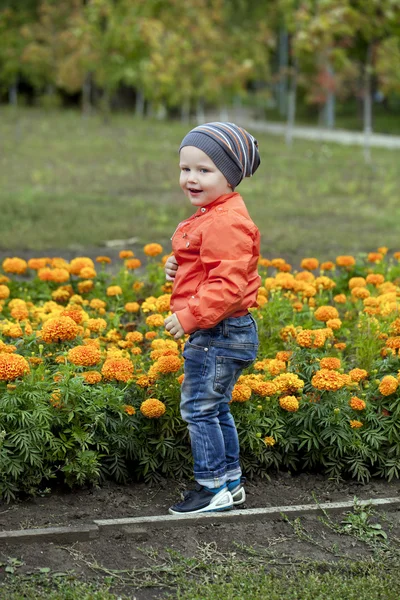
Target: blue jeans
{"points": [[214, 359]]}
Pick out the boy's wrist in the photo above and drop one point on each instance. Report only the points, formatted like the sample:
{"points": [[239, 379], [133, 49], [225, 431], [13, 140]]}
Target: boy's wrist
{"points": [[187, 320]]}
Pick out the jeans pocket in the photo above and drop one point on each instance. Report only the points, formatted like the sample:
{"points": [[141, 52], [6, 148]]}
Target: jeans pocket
{"points": [[227, 371]]}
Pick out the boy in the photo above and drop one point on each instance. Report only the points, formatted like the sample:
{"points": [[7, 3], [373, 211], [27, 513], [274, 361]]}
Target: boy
{"points": [[214, 269]]}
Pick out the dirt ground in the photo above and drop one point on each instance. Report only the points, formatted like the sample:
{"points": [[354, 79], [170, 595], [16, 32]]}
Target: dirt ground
{"points": [[152, 551]]}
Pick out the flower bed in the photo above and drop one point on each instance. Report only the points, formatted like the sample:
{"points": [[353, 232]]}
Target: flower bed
{"points": [[90, 380]]}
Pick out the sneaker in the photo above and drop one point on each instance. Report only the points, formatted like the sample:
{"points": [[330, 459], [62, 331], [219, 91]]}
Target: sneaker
{"points": [[201, 499], [237, 490]]}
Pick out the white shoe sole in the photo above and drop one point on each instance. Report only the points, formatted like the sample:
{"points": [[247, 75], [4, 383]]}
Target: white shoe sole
{"points": [[221, 501], [239, 496]]}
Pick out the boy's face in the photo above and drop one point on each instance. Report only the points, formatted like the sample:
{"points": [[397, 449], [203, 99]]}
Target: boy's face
{"points": [[200, 179]]}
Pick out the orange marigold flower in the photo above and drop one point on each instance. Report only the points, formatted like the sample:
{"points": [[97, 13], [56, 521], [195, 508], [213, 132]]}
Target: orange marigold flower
{"points": [[12, 366], [325, 283], [289, 403], [75, 313], [155, 354], [143, 381], [283, 355], [84, 356], [345, 261], [357, 282], [180, 378], [20, 313], [35, 360], [311, 338], [396, 255], [334, 323], [327, 266], [357, 403], [263, 388], [15, 265], [288, 332], [96, 325], [375, 278], [4, 292], [37, 263], [340, 345], [155, 320], [59, 329], [340, 298], [96, 304], [264, 262], [87, 273], [152, 249], [354, 424], [388, 385], [56, 275], [134, 336], [168, 364], [150, 335], [103, 259], [86, 286], [114, 290], [130, 410], [395, 327], [330, 363], [133, 263], [163, 303], [77, 264], [241, 393], [60, 295], [126, 254], [288, 383], [132, 307], [358, 374], [152, 408], [269, 440], [360, 292], [326, 379], [120, 369], [375, 257], [324, 313], [309, 263], [275, 366]]}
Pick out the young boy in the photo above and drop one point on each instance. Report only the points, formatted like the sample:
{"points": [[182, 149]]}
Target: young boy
{"points": [[214, 269]]}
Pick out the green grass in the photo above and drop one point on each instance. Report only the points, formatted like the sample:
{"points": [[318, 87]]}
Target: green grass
{"points": [[69, 182], [40, 587]]}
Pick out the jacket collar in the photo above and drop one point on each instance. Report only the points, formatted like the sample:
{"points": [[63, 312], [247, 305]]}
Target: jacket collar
{"points": [[221, 200]]}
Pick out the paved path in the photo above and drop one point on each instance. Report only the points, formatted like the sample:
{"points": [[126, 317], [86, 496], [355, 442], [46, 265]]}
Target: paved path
{"points": [[341, 136]]}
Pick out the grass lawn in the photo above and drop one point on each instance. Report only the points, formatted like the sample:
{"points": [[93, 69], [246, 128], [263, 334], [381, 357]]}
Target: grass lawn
{"points": [[69, 182]]}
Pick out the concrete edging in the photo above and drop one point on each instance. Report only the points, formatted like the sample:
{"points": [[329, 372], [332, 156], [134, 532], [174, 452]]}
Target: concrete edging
{"points": [[144, 526]]}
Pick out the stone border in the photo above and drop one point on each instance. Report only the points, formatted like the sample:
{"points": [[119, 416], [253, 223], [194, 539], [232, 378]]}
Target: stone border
{"points": [[142, 527]]}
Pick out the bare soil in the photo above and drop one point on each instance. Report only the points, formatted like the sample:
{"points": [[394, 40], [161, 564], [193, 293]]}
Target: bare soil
{"points": [[121, 550]]}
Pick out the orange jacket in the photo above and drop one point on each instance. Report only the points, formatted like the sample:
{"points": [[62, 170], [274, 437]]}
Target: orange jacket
{"points": [[217, 250]]}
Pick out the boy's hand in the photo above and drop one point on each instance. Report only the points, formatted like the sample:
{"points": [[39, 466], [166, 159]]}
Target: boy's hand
{"points": [[170, 268], [174, 327]]}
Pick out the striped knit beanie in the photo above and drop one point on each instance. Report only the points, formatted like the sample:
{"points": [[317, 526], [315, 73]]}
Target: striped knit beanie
{"points": [[233, 150]]}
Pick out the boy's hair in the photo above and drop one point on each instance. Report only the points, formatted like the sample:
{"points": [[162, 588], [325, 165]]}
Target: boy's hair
{"points": [[233, 150]]}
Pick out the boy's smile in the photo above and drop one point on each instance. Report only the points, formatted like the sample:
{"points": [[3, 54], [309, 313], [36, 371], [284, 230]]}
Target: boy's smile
{"points": [[201, 181]]}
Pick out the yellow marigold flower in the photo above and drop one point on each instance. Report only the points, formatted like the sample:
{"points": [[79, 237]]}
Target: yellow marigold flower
{"points": [[356, 403], [37, 263], [289, 403], [126, 254], [324, 283], [60, 295], [345, 261], [61, 360], [58, 262], [59, 329], [152, 408], [324, 313], [56, 275], [96, 325], [276, 366], [180, 378], [152, 249], [375, 257], [132, 307], [15, 265], [388, 385], [396, 255], [76, 299], [331, 363], [96, 303], [285, 281], [14, 330], [13, 366], [103, 259], [264, 262], [11, 386], [375, 279], [168, 364], [358, 374], [77, 314], [283, 355], [327, 266], [4, 292], [326, 379], [311, 338], [20, 313], [114, 290], [4, 279], [288, 383], [310, 264], [357, 282], [91, 377], [133, 263], [395, 327], [155, 354], [143, 381], [137, 286], [241, 393], [84, 356], [334, 324], [354, 424], [360, 292], [134, 336], [155, 320], [35, 360], [130, 410], [340, 299], [7, 347], [55, 396], [150, 335], [77, 264], [290, 331], [261, 300], [269, 440], [87, 273], [163, 303], [340, 345], [120, 369], [263, 388]]}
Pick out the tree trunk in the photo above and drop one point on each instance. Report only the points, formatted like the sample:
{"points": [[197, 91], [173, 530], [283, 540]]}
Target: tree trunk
{"points": [[330, 102], [13, 93], [223, 113], [200, 116], [283, 62], [367, 105], [86, 104], [139, 108], [291, 112], [185, 111]]}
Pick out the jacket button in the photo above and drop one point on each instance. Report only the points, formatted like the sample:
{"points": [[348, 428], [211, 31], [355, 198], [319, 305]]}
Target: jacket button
{"points": [[203, 210]]}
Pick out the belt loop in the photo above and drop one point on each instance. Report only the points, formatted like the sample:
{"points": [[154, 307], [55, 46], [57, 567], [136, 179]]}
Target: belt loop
{"points": [[225, 328]]}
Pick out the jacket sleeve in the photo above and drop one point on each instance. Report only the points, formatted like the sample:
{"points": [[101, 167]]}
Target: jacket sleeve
{"points": [[225, 253]]}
